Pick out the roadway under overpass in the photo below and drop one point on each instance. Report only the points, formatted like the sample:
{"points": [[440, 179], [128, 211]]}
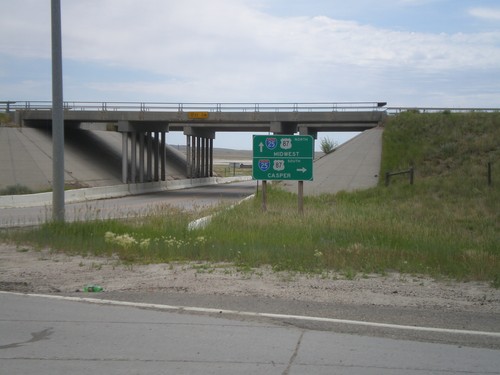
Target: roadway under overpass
{"points": [[143, 126]]}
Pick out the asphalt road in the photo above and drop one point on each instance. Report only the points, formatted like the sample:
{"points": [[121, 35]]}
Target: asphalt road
{"points": [[445, 327], [132, 206], [40, 335], [427, 325]]}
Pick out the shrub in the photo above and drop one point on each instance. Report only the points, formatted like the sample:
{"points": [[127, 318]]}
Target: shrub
{"points": [[328, 145], [16, 190]]}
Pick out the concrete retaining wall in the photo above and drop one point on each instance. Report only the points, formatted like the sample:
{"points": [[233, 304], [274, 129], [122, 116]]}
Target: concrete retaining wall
{"points": [[116, 191]]}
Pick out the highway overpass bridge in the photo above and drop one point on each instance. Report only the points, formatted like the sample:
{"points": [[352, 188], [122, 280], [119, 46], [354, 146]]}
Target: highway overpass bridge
{"points": [[144, 126]]}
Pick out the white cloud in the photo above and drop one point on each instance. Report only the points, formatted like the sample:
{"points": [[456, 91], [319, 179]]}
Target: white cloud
{"points": [[491, 14], [227, 35], [25, 28], [199, 36], [233, 50]]}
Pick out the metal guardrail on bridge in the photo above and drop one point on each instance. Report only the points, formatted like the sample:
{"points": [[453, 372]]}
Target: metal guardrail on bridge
{"points": [[397, 110], [10, 105], [207, 107]]}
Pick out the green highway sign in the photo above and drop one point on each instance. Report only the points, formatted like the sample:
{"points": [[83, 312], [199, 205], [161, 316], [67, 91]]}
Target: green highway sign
{"points": [[283, 157]]}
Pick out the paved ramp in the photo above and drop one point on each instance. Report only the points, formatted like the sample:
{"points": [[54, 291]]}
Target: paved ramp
{"points": [[354, 165]]}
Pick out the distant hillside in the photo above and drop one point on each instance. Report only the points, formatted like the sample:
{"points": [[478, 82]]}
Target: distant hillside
{"points": [[222, 153]]}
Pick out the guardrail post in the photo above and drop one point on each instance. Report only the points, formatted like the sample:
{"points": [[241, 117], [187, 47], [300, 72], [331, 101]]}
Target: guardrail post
{"points": [[8, 106], [409, 171]]}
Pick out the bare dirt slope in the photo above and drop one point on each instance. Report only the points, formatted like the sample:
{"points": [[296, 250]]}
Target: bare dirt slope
{"points": [[24, 269]]}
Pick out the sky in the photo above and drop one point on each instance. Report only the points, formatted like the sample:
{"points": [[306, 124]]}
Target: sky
{"points": [[408, 53]]}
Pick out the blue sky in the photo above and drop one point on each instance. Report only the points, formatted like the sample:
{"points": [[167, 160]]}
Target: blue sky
{"points": [[440, 53]]}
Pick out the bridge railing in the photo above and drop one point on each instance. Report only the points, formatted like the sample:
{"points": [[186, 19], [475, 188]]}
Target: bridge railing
{"points": [[9, 105], [192, 107], [397, 110]]}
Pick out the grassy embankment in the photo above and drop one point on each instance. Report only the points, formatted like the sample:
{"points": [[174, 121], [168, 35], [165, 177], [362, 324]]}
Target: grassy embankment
{"points": [[446, 225], [4, 119]]}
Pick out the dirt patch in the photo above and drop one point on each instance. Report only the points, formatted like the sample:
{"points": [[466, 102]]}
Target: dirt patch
{"points": [[27, 270], [16, 286]]}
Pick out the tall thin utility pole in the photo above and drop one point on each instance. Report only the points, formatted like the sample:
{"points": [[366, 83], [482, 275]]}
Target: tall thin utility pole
{"points": [[57, 116]]}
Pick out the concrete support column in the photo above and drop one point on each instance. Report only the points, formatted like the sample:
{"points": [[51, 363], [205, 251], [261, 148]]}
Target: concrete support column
{"points": [[211, 158], [278, 127], [124, 157], [207, 159], [133, 156], [156, 156], [202, 164], [141, 157], [198, 156], [306, 130], [149, 157], [163, 155], [193, 157], [188, 156]]}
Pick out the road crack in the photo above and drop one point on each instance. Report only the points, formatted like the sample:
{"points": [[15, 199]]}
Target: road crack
{"points": [[35, 336], [294, 355]]}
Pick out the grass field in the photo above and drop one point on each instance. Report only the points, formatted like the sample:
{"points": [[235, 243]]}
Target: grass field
{"points": [[445, 225]]}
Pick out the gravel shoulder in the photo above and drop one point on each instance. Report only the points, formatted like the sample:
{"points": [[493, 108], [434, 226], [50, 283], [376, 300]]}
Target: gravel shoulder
{"points": [[25, 269]]}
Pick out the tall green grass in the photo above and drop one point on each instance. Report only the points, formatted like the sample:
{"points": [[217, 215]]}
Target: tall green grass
{"points": [[446, 224], [371, 231]]}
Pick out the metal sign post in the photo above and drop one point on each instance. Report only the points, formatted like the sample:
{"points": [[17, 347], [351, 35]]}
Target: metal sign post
{"points": [[264, 195], [301, 196], [57, 116]]}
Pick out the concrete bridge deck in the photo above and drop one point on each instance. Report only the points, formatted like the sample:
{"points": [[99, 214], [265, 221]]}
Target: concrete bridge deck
{"points": [[279, 117]]}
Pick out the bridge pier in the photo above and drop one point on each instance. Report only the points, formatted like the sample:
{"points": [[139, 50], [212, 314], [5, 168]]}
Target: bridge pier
{"points": [[133, 155], [143, 153], [149, 157], [305, 129], [282, 127], [199, 152], [141, 156], [124, 157]]}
